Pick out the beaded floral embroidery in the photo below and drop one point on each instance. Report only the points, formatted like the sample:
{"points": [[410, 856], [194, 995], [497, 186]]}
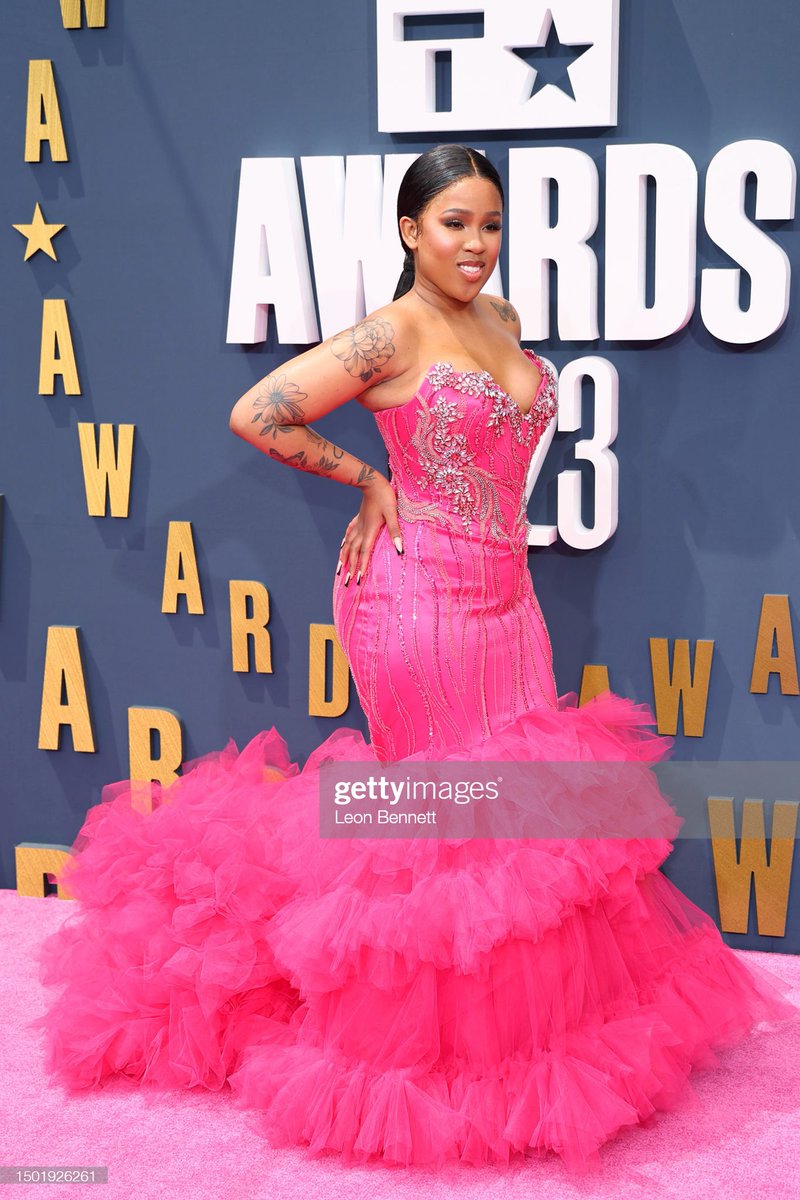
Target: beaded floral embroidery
{"points": [[444, 469], [446, 462], [504, 407], [445, 459]]}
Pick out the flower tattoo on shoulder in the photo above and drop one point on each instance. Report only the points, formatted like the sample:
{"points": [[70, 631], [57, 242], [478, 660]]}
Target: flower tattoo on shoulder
{"points": [[277, 404], [365, 348]]}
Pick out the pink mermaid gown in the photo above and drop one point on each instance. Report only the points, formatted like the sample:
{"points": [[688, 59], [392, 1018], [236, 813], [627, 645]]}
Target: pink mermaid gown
{"points": [[416, 999]]}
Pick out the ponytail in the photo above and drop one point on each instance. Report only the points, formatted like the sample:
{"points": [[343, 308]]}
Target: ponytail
{"points": [[406, 280]]}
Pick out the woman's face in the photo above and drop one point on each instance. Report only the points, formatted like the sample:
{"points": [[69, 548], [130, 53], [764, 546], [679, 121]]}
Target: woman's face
{"points": [[457, 238]]}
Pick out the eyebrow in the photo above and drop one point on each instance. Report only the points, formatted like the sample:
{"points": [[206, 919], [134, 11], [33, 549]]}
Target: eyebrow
{"points": [[468, 212]]}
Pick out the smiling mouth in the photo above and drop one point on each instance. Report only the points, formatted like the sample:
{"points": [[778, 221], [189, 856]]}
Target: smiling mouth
{"points": [[471, 270]]}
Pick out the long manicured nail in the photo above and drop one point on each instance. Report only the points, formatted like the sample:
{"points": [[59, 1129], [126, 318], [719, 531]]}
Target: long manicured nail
{"points": [[358, 577], [338, 569], [398, 545], [341, 543], [347, 579]]}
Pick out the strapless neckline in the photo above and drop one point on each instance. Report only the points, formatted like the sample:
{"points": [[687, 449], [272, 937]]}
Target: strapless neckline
{"points": [[482, 380]]}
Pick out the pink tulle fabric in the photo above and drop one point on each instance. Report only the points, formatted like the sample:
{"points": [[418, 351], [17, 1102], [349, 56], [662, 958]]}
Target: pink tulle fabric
{"points": [[415, 1000]]}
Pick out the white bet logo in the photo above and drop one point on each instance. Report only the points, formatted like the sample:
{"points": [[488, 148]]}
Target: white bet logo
{"points": [[506, 64]]}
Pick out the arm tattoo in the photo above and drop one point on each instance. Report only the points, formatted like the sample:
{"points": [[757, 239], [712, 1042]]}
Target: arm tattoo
{"points": [[505, 310], [336, 451], [323, 466], [277, 404], [365, 348], [278, 407], [320, 457]]}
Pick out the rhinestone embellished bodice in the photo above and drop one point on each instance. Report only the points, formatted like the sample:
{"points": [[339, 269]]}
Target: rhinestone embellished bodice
{"points": [[460, 448]]}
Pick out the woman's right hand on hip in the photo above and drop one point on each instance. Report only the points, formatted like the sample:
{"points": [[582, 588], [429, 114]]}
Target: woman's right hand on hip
{"points": [[378, 508]]}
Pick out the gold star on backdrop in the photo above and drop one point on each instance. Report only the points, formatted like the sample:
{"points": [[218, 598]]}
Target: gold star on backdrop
{"points": [[39, 234]]}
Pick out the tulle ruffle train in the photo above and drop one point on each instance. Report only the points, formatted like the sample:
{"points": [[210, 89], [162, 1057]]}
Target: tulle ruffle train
{"points": [[417, 1000]]}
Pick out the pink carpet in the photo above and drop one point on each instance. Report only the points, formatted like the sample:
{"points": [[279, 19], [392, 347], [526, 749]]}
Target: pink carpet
{"points": [[739, 1139]]}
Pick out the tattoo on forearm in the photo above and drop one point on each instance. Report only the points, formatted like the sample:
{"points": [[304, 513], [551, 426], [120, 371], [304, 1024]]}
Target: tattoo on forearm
{"points": [[321, 457], [326, 465], [291, 460], [323, 466], [365, 348], [505, 310], [278, 404]]}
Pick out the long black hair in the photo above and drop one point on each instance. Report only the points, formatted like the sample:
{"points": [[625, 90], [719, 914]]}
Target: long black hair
{"points": [[429, 175]]}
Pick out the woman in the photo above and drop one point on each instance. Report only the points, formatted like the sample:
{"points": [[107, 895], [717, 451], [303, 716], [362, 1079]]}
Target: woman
{"points": [[419, 999], [456, 479]]}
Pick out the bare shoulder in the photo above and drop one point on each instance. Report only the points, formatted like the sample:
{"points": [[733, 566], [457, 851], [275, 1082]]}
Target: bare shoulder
{"points": [[377, 347], [502, 311]]}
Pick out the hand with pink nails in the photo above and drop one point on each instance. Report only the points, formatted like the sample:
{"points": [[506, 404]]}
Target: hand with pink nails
{"points": [[378, 508]]}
